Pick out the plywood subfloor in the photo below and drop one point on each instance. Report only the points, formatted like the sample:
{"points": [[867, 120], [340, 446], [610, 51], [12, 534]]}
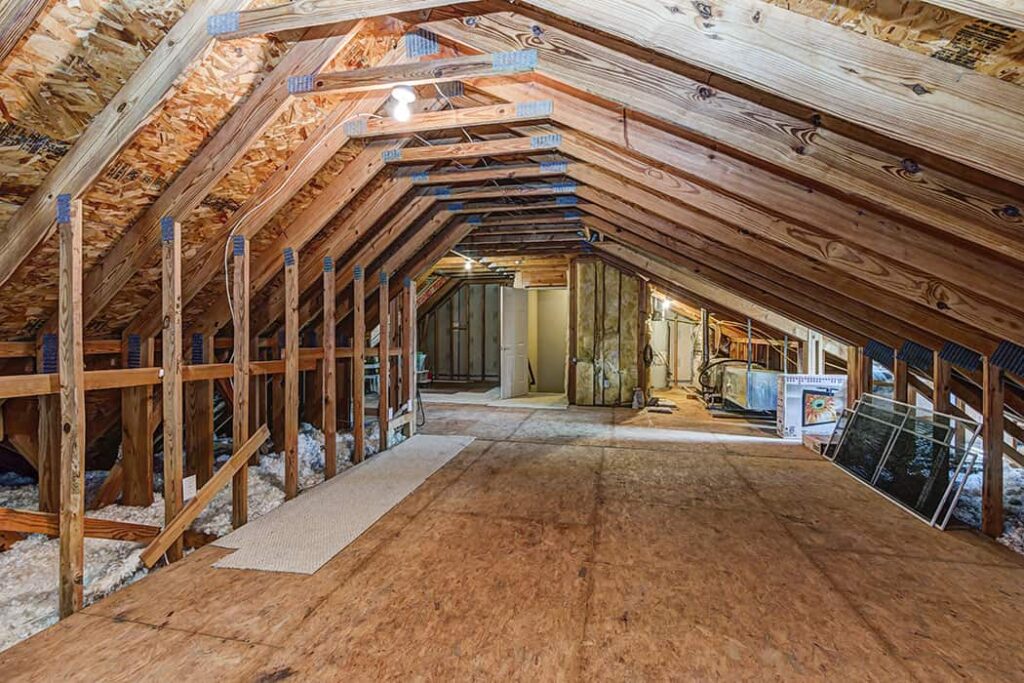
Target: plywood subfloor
{"points": [[589, 544]]}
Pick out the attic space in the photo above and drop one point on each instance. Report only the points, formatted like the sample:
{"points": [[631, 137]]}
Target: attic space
{"points": [[511, 340]]}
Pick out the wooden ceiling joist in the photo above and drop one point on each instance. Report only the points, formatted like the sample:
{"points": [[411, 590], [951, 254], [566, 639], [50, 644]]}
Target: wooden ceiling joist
{"points": [[429, 72], [496, 172], [877, 179], [290, 16], [16, 18], [109, 131], [474, 150], [955, 112], [496, 191], [492, 115], [1006, 12]]}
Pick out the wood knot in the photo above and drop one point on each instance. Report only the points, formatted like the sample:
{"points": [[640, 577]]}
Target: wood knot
{"points": [[757, 17], [919, 89], [942, 305], [1011, 211], [703, 9], [705, 93], [816, 120], [537, 31], [800, 149], [472, 21], [910, 166]]}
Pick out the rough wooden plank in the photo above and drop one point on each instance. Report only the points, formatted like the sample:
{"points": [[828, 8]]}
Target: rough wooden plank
{"points": [[290, 16], [25, 521], [899, 374], [171, 534], [992, 435], [358, 365], [422, 73], [489, 115], [910, 97], [137, 432], [409, 349], [240, 404], [291, 374], [199, 413], [330, 386], [72, 407], [941, 376], [384, 358], [473, 150], [110, 131], [496, 172], [174, 462]]}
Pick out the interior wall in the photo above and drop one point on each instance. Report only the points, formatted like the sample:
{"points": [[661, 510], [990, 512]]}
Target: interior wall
{"points": [[552, 330], [607, 334], [460, 335]]}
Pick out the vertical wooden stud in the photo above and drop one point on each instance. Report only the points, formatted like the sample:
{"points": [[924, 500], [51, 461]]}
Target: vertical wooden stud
{"points": [[358, 363], [277, 397], [866, 368], [240, 374], [172, 399], [992, 441], [384, 348], [137, 426], [330, 403], [291, 373], [900, 376], [941, 374], [72, 407], [199, 413], [48, 430], [409, 375], [853, 388]]}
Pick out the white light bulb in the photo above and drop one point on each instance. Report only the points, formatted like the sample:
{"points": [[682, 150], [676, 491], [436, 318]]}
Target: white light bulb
{"points": [[469, 265], [404, 94], [401, 112]]}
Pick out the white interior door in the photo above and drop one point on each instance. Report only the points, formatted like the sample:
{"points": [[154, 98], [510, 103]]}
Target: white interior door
{"points": [[515, 374]]}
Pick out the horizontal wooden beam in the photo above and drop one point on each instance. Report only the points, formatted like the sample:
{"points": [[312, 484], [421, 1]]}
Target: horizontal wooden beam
{"points": [[425, 73], [31, 522], [1006, 12], [473, 150], [290, 16], [494, 172], [490, 115]]}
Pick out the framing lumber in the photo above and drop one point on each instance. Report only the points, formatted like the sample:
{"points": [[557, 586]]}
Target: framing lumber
{"points": [[910, 97], [240, 376], [137, 433], [29, 522], [409, 374], [941, 377], [174, 462], [384, 359], [330, 388], [72, 407], [474, 150], [173, 530], [110, 130], [424, 73], [900, 386], [992, 435], [48, 452], [16, 18], [290, 16], [199, 427], [488, 115], [720, 121], [216, 158], [495, 172], [1006, 12], [358, 367], [291, 375], [492, 192]]}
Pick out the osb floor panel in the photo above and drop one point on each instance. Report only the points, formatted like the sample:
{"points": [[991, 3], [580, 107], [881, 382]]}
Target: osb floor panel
{"points": [[591, 544]]}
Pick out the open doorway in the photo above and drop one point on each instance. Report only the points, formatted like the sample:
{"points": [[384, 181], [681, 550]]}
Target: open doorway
{"points": [[547, 345]]}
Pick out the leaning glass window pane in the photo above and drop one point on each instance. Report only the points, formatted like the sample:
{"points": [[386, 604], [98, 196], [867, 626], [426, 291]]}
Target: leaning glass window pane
{"points": [[920, 466], [865, 440]]}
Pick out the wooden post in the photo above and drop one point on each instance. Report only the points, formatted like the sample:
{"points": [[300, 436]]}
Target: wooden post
{"points": [[199, 413], [358, 362], [853, 388], [48, 431], [172, 401], [240, 374], [277, 398], [291, 373], [137, 426], [72, 407], [312, 384], [941, 374], [992, 441], [900, 381], [866, 368], [409, 375], [384, 348], [330, 403]]}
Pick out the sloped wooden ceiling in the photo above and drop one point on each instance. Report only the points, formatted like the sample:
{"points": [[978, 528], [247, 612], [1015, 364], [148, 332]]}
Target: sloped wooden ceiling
{"points": [[818, 208]]}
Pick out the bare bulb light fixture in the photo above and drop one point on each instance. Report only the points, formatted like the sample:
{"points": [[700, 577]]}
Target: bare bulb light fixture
{"points": [[403, 96]]}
